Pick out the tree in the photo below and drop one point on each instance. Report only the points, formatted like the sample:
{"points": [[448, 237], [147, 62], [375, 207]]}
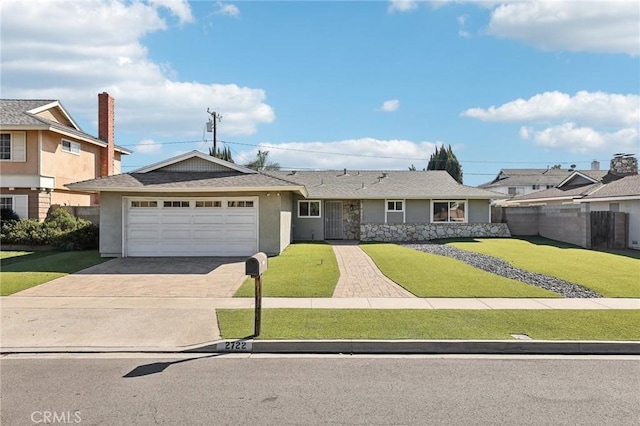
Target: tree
{"points": [[261, 163], [225, 154], [444, 159], [556, 166]]}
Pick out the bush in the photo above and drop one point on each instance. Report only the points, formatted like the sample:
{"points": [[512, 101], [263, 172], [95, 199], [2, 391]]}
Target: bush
{"points": [[60, 229], [8, 215]]}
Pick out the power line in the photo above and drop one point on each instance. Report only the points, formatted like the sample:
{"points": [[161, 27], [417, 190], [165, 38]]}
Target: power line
{"points": [[269, 146]]}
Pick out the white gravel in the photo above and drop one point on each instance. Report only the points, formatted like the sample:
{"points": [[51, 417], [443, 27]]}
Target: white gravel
{"points": [[502, 268]]}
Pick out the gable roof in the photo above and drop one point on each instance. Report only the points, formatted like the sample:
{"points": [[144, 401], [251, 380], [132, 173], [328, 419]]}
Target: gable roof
{"points": [[198, 172], [515, 177], [21, 114], [166, 164]]}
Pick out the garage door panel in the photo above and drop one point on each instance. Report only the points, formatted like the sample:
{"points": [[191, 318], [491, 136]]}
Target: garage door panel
{"points": [[173, 231], [143, 219]]}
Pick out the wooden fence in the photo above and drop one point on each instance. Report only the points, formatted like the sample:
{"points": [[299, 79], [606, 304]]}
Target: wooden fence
{"points": [[609, 230]]}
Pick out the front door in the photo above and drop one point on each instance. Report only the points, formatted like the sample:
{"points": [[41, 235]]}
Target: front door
{"points": [[333, 220]]}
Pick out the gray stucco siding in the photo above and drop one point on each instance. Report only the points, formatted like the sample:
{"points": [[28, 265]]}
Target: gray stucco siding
{"points": [[373, 211], [307, 228], [417, 211], [478, 211]]}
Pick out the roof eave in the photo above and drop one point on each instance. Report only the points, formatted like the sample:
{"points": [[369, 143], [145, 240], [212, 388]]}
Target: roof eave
{"points": [[146, 189]]}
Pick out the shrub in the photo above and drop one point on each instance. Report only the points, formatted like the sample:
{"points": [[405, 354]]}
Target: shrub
{"points": [[8, 215], [28, 232], [60, 229], [61, 219]]}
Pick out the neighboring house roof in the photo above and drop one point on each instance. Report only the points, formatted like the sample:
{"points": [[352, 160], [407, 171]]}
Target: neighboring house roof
{"points": [[606, 186], [199, 172], [516, 177], [20, 114], [383, 184], [627, 187]]}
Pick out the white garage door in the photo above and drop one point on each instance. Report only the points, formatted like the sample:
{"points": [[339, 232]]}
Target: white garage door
{"points": [[191, 227]]}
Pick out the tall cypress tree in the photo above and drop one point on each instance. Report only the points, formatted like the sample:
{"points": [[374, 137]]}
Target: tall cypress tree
{"points": [[444, 159]]}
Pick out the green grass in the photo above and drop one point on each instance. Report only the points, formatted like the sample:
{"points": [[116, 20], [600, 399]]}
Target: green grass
{"points": [[430, 275], [22, 271], [302, 270], [433, 324], [611, 275]]}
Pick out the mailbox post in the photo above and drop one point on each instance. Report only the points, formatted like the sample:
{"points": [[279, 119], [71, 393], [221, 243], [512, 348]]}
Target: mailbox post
{"points": [[255, 266]]}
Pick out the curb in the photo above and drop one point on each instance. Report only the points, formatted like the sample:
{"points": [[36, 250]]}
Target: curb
{"points": [[363, 347], [396, 347]]}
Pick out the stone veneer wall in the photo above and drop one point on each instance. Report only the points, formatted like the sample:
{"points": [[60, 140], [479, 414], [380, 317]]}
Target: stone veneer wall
{"points": [[430, 231], [351, 219]]}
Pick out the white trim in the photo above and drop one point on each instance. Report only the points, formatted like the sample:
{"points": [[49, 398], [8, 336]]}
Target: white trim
{"points": [[17, 147], [452, 200], [193, 154], [28, 181], [387, 211], [601, 199], [573, 175], [19, 204], [40, 152], [309, 217], [54, 104]]}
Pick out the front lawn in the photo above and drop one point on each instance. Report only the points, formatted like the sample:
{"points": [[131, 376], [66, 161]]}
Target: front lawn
{"points": [[611, 275], [432, 324], [23, 270], [430, 275], [302, 270]]}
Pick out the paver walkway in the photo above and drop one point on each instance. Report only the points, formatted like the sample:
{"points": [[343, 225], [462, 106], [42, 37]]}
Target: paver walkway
{"points": [[360, 277]]}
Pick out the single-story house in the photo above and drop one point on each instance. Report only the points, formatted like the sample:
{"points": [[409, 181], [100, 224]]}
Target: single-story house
{"points": [[198, 205]]}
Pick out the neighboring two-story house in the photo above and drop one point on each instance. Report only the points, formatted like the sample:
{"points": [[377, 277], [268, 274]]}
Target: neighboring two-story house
{"points": [[517, 182], [42, 149]]}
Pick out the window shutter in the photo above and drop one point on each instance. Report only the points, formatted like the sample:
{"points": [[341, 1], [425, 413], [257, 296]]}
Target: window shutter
{"points": [[21, 205], [19, 147]]}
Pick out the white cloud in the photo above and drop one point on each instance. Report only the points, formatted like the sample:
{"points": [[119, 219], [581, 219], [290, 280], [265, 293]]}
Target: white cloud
{"points": [[390, 105], [572, 138], [74, 65], [227, 9], [402, 5], [353, 154], [579, 26], [594, 108], [148, 146], [180, 8], [525, 132]]}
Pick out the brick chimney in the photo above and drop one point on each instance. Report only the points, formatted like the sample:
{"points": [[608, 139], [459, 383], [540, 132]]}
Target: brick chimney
{"points": [[624, 164], [106, 133]]}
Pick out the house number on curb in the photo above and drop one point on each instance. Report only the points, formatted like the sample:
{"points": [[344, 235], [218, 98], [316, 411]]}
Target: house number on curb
{"points": [[235, 346]]}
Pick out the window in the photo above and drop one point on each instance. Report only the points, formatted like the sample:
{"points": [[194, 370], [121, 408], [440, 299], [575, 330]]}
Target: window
{"points": [[516, 190], [536, 186], [144, 204], [239, 203], [449, 211], [208, 204], [549, 186], [309, 209], [71, 147], [5, 146], [395, 206], [178, 204], [6, 203]]}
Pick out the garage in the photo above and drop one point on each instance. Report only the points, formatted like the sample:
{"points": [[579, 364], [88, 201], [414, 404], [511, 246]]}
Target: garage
{"points": [[191, 226]]}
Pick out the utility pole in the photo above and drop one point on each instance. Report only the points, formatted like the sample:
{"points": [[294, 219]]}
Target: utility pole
{"points": [[215, 117]]}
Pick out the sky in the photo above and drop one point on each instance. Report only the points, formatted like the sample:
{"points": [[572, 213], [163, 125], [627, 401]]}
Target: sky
{"points": [[340, 84]]}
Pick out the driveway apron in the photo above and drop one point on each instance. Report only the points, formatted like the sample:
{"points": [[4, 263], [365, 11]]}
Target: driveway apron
{"points": [[149, 277], [359, 275]]}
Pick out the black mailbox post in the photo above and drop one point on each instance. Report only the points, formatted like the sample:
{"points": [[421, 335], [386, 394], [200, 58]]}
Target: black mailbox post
{"points": [[255, 266]]}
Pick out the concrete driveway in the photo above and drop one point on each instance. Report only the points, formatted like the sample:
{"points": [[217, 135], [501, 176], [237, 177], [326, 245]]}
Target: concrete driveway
{"points": [[149, 277]]}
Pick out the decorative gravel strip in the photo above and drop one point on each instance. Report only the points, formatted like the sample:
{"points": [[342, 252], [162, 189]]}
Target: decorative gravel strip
{"points": [[500, 267]]}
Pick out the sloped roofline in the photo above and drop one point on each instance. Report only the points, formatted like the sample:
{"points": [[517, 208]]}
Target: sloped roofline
{"points": [[192, 154], [573, 176], [58, 105]]}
